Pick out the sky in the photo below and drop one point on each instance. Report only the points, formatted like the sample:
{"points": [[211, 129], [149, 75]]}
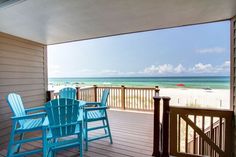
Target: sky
{"points": [[199, 50]]}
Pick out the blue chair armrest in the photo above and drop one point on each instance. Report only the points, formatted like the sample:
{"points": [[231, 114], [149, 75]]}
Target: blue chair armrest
{"points": [[95, 108], [30, 116], [39, 108], [45, 122], [92, 104], [82, 103]]}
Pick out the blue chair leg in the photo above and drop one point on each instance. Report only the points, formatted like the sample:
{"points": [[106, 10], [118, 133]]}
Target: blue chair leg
{"points": [[81, 141], [86, 136], [19, 145], [10, 150], [108, 127], [45, 142], [105, 130]]}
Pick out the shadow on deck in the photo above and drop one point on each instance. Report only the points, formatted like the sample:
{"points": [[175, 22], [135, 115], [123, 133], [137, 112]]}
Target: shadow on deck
{"points": [[132, 136]]}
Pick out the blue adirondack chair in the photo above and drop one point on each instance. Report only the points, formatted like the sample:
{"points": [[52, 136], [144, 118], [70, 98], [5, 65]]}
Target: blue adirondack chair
{"points": [[23, 121], [97, 113], [65, 118], [68, 92]]}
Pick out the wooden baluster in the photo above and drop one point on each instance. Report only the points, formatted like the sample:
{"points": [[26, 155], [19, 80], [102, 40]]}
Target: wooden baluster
{"points": [[77, 93], [179, 125], [212, 136], [186, 139], [49, 95], [220, 140], [95, 92], [156, 129], [123, 97], [165, 130], [203, 129]]}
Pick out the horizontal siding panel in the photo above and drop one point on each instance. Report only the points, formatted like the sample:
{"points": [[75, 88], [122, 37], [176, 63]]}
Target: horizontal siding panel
{"points": [[13, 61], [20, 75], [5, 124], [12, 68], [5, 117], [21, 88], [22, 70], [5, 35], [17, 55], [20, 44], [22, 50], [24, 93], [4, 82], [32, 101]]}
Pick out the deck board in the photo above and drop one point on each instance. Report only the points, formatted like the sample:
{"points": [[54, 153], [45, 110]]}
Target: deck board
{"points": [[132, 137]]}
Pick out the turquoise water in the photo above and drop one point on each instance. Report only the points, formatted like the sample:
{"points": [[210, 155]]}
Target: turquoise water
{"points": [[213, 82]]}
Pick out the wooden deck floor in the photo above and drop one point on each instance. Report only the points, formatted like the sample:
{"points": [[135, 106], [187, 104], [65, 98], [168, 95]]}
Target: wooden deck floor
{"points": [[132, 136]]}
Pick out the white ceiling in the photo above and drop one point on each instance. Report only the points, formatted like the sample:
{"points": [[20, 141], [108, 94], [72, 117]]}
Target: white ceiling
{"points": [[58, 21]]}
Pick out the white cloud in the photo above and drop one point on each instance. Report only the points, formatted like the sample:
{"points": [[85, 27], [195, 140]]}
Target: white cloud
{"points": [[164, 69], [208, 68], [202, 68], [211, 50], [226, 64], [198, 68], [180, 69], [153, 70], [160, 69]]}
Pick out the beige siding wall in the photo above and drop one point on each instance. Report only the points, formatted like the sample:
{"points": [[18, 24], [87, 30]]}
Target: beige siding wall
{"points": [[233, 74], [23, 67]]}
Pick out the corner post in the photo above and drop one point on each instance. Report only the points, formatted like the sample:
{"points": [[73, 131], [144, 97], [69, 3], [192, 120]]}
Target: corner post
{"points": [[49, 95], [122, 97], [77, 92], [156, 129], [165, 132], [95, 93]]}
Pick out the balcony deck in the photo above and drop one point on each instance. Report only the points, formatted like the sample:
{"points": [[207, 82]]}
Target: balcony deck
{"points": [[132, 136]]}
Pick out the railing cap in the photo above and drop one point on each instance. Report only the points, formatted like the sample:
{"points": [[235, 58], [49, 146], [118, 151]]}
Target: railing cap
{"points": [[157, 97], [50, 90], [166, 98]]}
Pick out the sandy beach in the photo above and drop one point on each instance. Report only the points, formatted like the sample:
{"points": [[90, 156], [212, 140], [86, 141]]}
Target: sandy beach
{"points": [[209, 98]]}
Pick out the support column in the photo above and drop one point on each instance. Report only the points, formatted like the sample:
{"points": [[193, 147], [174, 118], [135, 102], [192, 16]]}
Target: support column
{"points": [[233, 75], [165, 126], [156, 128]]}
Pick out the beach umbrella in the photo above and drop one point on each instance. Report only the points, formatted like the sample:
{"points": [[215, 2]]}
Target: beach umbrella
{"points": [[180, 85]]}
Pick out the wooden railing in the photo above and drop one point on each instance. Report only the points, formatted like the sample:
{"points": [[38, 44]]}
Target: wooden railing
{"points": [[125, 98], [191, 132], [200, 132]]}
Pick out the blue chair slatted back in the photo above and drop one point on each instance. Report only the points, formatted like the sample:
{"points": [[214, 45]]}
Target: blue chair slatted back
{"points": [[62, 115], [104, 98], [68, 92], [15, 102]]}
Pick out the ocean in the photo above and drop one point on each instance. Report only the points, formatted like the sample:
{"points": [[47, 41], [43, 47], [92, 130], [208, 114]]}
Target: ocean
{"points": [[201, 82]]}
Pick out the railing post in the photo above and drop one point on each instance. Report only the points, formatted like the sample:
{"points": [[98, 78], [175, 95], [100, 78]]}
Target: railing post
{"points": [[77, 92], [122, 97], [95, 92], [49, 95], [157, 90], [156, 128], [165, 125]]}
